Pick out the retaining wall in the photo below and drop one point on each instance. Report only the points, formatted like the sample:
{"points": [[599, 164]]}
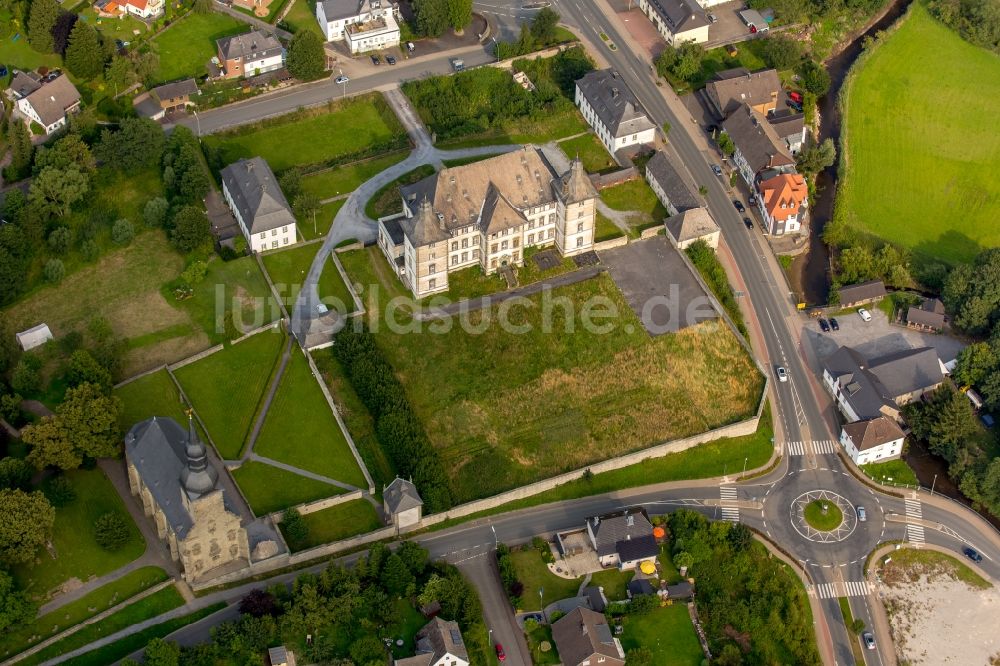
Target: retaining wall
{"points": [[614, 178], [197, 357], [319, 505], [611, 243]]}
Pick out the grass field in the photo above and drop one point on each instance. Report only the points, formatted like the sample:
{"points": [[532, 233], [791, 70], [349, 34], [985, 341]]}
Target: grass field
{"points": [[270, 489], [288, 269], [668, 633], [116, 28], [152, 395], [301, 16], [521, 407], [613, 581], [922, 147], [313, 136], [77, 611], [605, 229], [914, 563], [591, 151], [347, 178], [311, 230], [229, 414], [558, 125], [77, 555], [339, 522], [186, 46], [239, 287], [531, 571], [635, 195], [300, 428], [388, 199], [892, 471]]}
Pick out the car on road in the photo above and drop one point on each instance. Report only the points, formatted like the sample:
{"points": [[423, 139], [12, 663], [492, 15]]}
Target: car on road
{"points": [[869, 640], [458, 65], [864, 314], [833, 324], [782, 374], [341, 79], [972, 554], [739, 205], [376, 60], [501, 655], [391, 60], [824, 325], [862, 514], [717, 169], [747, 221]]}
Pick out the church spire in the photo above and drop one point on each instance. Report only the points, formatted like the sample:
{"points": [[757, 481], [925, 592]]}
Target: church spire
{"points": [[198, 477]]}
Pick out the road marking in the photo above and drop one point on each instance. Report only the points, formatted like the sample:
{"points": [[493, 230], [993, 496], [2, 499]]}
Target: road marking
{"points": [[858, 588], [729, 494], [822, 447], [914, 533]]}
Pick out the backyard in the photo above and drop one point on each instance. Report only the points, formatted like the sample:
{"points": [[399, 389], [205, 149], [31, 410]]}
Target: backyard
{"points": [[269, 488], [922, 148], [302, 16], [186, 46], [312, 228], [667, 632], [535, 576]]}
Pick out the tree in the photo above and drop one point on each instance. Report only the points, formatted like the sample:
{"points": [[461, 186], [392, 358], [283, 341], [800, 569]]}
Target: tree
{"points": [[54, 191], [120, 73], [290, 183], [60, 239], [25, 378], [307, 206], [543, 28], [41, 19], [111, 531], [59, 490], [83, 369], [61, 31], [84, 425], [396, 577], [944, 419], [306, 57], [69, 151], [146, 64], [154, 214], [259, 603], [21, 149], [25, 524], [815, 78], [726, 144], [161, 653], [431, 16], [459, 14], [122, 232], [740, 537], [16, 607], [781, 51], [15, 473], [814, 159], [681, 62], [84, 55], [414, 557], [295, 529], [190, 229], [54, 270], [14, 204], [138, 143]]}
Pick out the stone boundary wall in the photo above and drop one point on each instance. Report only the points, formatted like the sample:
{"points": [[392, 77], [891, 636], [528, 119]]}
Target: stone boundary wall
{"points": [[139, 376], [611, 243], [197, 357], [601, 181], [260, 329], [359, 307], [356, 245], [546, 53], [653, 231], [318, 505]]}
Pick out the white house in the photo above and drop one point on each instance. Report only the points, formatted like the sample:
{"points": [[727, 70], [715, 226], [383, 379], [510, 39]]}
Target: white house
{"points": [[622, 539], [35, 336], [260, 208], [677, 21], [439, 643], [50, 104], [249, 54], [366, 25], [144, 9], [613, 111], [873, 440]]}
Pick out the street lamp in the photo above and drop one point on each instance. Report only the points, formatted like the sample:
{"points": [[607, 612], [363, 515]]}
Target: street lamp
{"points": [[496, 47], [343, 81], [496, 542], [933, 483], [541, 604], [745, 465]]}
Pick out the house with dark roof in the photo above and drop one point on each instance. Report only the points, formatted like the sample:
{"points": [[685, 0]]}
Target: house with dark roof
{"points": [[928, 316], [866, 389], [731, 89], [402, 504], [758, 147], [853, 295], [691, 226], [791, 127], [22, 85], [487, 213], [364, 25], [280, 656], [249, 54], [584, 638], [611, 108], [677, 21], [439, 643], [872, 440], [622, 539], [669, 186], [258, 204], [168, 98], [49, 104]]}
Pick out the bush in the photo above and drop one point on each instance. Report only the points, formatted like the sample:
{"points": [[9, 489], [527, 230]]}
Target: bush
{"points": [[58, 490], [111, 531], [122, 232], [154, 214], [54, 270], [60, 239], [26, 378], [295, 529]]}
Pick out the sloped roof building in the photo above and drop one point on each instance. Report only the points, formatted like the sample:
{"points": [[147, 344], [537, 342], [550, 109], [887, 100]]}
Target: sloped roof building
{"points": [[252, 192]]}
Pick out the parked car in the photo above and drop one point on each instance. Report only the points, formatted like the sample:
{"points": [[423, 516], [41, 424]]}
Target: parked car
{"points": [[501, 655], [747, 221], [833, 324], [824, 325], [712, 18], [459, 65], [869, 640], [410, 47], [341, 79], [752, 200], [376, 60], [391, 60], [864, 314], [972, 554], [862, 514], [782, 374], [739, 205], [717, 169], [3, 70], [795, 97], [795, 105]]}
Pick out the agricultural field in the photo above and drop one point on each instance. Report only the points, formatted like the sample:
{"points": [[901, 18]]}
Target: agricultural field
{"points": [[186, 46], [519, 408], [922, 150]]}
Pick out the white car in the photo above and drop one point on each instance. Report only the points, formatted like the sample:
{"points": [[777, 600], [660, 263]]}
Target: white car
{"points": [[782, 374], [341, 79], [864, 314]]}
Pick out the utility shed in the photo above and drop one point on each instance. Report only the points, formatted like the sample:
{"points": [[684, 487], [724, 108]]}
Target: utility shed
{"points": [[34, 337]]}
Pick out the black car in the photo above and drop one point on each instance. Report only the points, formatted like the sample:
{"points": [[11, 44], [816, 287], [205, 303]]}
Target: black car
{"points": [[3, 70], [834, 325], [972, 554], [376, 60], [739, 205], [391, 60], [747, 221], [823, 325]]}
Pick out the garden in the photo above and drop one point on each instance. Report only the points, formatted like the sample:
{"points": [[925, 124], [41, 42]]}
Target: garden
{"points": [[592, 153], [637, 198], [187, 45], [332, 524], [667, 633]]}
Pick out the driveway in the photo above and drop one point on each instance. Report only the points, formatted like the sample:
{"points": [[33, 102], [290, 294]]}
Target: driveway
{"points": [[481, 570]]}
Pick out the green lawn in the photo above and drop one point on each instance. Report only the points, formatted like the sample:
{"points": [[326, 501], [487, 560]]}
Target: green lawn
{"points": [[922, 147], [614, 583], [668, 633], [77, 611], [288, 269], [542, 634], [152, 395], [311, 229], [209, 383], [591, 152], [270, 489], [77, 555], [242, 290], [339, 522], [17, 53], [535, 575], [558, 125], [635, 195], [301, 16], [819, 520], [155, 604], [300, 429], [113, 28], [388, 199], [892, 471], [605, 229], [345, 179], [471, 282], [186, 46], [312, 137], [410, 622]]}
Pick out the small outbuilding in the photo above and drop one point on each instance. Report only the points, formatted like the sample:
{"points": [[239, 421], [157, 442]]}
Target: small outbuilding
{"points": [[853, 295], [928, 317], [402, 504], [34, 337], [693, 225], [281, 656]]}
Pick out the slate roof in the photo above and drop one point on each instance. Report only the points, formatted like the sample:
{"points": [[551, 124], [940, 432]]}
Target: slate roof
{"points": [[395, 230], [732, 88], [639, 586], [613, 103], [909, 370], [256, 194], [598, 601], [691, 225], [24, 83], [424, 227], [582, 634], [52, 99], [437, 638], [862, 291], [341, 9], [574, 185], [612, 528], [870, 385], [169, 91], [930, 313], [756, 140], [401, 495], [680, 15], [661, 169], [253, 45], [873, 432], [639, 548], [788, 124]]}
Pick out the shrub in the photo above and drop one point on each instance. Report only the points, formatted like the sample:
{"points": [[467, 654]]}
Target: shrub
{"points": [[54, 270], [295, 529], [60, 239], [26, 378], [58, 490], [111, 531], [154, 214], [122, 232]]}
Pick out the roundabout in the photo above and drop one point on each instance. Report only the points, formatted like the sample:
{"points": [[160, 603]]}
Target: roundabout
{"points": [[823, 516]]}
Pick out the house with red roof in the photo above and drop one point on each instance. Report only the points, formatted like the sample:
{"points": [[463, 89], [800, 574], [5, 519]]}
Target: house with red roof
{"points": [[783, 202]]}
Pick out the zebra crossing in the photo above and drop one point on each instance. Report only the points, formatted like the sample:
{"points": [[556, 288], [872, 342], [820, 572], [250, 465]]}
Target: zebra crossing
{"points": [[858, 588], [825, 446], [730, 513], [914, 533]]}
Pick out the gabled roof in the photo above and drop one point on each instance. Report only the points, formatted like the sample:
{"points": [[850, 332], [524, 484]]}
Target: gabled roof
{"points": [[401, 495], [612, 528], [907, 371], [53, 98], [691, 225], [732, 88], [341, 9], [574, 185], [788, 124], [498, 214], [929, 314], [251, 45], [870, 385], [614, 103], [784, 195], [256, 194], [873, 432], [862, 291], [582, 634], [756, 140], [437, 638], [24, 83], [680, 15], [661, 169], [638, 548], [184, 88]]}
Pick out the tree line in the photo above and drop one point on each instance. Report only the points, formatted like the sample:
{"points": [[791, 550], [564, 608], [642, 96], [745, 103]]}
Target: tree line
{"points": [[977, 21]]}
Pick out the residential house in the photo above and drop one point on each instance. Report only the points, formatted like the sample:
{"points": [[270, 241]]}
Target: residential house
{"points": [[677, 21], [365, 25], [260, 207], [758, 147], [22, 85], [928, 316], [584, 638], [280, 656], [487, 214], [853, 295], [622, 539], [783, 202], [731, 89], [693, 225], [49, 104], [249, 54], [868, 388], [169, 470], [791, 127], [142, 9], [439, 643], [610, 107], [401, 503], [872, 440], [668, 185], [36, 336], [168, 98]]}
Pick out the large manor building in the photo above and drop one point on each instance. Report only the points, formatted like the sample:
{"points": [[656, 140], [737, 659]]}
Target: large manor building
{"points": [[487, 213]]}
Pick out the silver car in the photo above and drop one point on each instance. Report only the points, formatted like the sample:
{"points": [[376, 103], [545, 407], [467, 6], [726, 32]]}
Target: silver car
{"points": [[862, 515], [869, 640]]}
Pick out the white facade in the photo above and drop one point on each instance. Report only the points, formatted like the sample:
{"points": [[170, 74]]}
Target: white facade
{"points": [[382, 33], [28, 111], [886, 451], [697, 34], [372, 27], [612, 143], [264, 240], [261, 65], [834, 388], [145, 9]]}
